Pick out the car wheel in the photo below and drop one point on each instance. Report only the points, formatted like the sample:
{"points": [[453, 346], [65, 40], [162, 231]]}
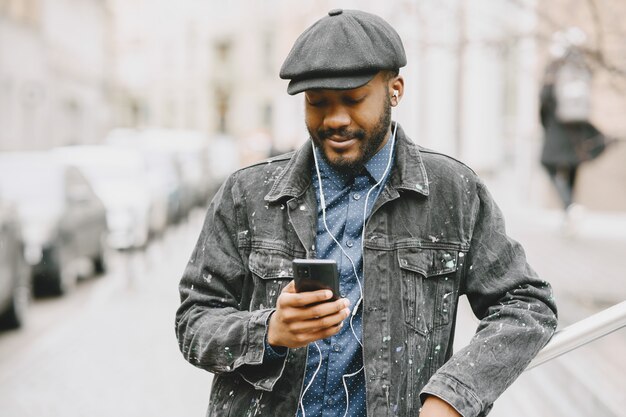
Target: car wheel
{"points": [[100, 263], [64, 282], [15, 314]]}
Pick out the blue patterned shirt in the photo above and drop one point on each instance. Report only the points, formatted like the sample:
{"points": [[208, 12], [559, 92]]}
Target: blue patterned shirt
{"points": [[341, 354]]}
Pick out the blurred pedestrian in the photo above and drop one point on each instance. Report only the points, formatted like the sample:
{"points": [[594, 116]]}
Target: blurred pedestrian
{"points": [[570, 138], [411, 230]]}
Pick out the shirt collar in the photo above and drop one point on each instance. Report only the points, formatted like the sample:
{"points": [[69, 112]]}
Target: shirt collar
{"points": [[340, 179], [376, 167], [408, 173]]}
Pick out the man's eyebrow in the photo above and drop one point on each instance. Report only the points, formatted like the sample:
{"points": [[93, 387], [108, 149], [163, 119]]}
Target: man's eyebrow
{"points": [[309, 97]]}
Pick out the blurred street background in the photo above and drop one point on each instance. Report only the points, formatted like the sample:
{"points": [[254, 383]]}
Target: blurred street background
{"points": [[119, 119]]}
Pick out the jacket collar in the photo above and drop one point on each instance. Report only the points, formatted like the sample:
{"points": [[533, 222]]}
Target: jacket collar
{"points": [[408, 173]]}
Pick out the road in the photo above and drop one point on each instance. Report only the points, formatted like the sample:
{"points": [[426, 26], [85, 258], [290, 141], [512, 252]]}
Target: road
{"points": [[109, 348]]}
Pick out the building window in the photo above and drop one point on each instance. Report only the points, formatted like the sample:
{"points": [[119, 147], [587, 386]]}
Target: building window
{"points": [[222, 99], [223, 50], [267, 115], [268, 52]]}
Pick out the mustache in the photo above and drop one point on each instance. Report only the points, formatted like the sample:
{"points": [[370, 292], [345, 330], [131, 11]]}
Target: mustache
{"points": [[343, 132]]}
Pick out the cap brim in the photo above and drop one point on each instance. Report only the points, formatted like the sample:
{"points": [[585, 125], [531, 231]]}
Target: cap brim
{"points": [[332, 83]]}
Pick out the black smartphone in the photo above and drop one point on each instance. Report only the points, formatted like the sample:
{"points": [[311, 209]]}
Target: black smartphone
{"points": [[316, 274]]}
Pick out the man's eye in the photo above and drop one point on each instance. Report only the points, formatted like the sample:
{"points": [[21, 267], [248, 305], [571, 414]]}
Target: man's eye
{"points": [[352, 101], [318, 103]]}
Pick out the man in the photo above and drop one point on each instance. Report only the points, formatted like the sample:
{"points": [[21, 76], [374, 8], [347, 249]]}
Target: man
{"points": [[411, 230]]}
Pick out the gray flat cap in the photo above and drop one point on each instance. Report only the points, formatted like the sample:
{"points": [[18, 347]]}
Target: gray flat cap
{"points": [[343, 50]]}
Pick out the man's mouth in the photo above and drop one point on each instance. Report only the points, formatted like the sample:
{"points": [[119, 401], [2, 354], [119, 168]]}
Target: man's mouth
{"points": [[340, 143], [340, 139]]}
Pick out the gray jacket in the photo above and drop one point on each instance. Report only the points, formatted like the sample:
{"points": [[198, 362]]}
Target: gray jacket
{"points": [[434, 234]]}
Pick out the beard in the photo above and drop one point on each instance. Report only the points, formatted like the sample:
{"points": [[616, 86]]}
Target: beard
{"points": [[369, 143]]}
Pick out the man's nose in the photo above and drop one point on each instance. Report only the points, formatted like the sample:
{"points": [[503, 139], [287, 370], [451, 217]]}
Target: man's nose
{"points": [[337, 118]]}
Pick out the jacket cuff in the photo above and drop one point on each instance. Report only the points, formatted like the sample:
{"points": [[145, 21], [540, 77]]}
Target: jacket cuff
{"points": [[455, 393], [261, 374], [273, 353]]}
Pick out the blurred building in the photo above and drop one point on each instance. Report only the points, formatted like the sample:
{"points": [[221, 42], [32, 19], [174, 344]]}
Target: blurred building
{"points": [[72, 69], [53, 73], [465, 92], [160, 64]]}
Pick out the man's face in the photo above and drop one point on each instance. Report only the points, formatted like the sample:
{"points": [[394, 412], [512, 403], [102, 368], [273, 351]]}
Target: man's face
{"points": [[350, 126]]}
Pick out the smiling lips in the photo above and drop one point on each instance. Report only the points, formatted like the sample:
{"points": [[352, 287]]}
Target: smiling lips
{"points": [[340, 143]]}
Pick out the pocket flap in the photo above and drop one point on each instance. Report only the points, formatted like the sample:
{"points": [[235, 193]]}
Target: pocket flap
{"points": [[270, 264], [428, 262]]}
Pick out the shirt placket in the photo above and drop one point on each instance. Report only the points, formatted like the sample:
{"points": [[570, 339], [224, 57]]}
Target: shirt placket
{"points": [[340, 345]]}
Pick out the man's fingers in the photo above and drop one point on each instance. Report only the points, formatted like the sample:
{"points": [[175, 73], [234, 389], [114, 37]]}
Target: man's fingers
{"points": [[325, 309], [301, 318], [320, 324], [302, 299], [291, 313], [325, 333]]}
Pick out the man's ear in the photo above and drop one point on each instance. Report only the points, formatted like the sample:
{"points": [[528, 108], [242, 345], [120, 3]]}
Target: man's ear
{"points": [[396, 87]]}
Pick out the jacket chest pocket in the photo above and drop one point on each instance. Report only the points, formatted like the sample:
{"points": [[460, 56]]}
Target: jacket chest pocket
{"points": [[271, 271], [428, 287]]}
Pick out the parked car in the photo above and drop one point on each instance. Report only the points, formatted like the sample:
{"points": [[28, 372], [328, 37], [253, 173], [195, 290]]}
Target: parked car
{"points": [[15, 279], [223, 157], [63, 221], [163, 177], [189, 150], [119, 179]]}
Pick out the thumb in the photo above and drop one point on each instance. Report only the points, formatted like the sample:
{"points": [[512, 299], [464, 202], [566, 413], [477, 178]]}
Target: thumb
{"points": [[290, 288]]}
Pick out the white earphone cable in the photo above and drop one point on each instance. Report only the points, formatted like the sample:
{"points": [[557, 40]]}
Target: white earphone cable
{"points": [[354, 310]]}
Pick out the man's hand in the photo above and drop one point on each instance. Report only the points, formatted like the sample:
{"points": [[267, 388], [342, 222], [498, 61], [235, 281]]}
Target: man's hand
{"points": [[436, 407], [302, 318]]}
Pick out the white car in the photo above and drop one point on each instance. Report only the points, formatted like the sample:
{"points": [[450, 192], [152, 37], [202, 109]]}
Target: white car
{"points": [[120, 180], [163, 178], [63, 220], [189, 150]]}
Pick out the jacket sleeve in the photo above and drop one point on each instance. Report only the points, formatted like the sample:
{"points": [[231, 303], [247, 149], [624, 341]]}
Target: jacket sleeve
{"points": [[517, 313], [214, 332]]}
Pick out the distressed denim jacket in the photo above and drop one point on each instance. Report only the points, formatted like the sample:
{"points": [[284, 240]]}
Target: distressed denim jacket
{"points": [[434, 234]]}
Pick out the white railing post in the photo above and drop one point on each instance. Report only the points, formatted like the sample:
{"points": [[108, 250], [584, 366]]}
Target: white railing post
{"points": [[581, 333]]}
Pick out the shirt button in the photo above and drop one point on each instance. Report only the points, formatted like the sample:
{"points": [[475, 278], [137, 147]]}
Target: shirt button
{"points": [[330, 401], [356, 196], [337, 347], [350, 243]]}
